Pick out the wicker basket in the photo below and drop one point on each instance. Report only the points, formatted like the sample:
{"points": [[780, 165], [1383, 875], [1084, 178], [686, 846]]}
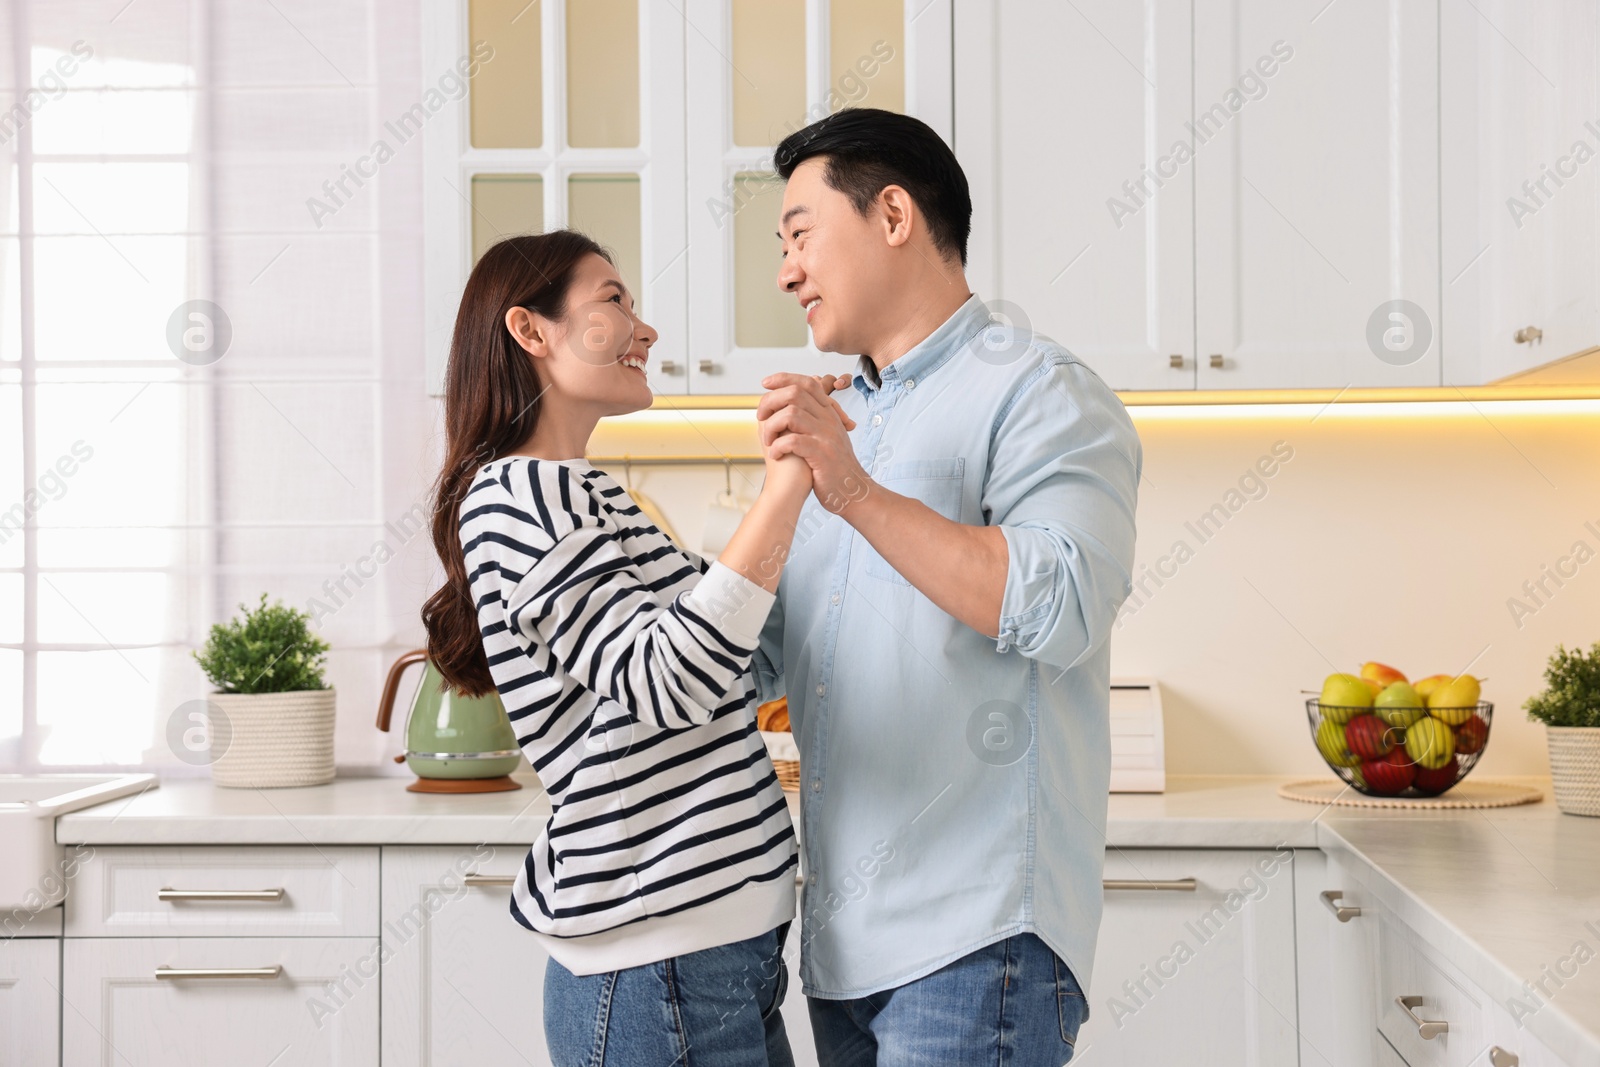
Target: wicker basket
{"points": [[272, 740], [788, 774], [1575, 768]]}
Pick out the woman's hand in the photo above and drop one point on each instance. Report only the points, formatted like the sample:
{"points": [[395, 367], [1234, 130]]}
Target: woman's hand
{"points": [[788, 477]]}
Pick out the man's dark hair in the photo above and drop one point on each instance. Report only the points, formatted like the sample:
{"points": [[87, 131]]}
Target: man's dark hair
{"points": [[867, 149]]}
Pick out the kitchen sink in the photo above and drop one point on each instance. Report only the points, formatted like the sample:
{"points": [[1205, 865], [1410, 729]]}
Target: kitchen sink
{"points": [[33, 875]]}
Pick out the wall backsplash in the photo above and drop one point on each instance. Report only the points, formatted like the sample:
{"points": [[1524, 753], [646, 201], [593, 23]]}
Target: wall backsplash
{"points": [[1279, 544]]}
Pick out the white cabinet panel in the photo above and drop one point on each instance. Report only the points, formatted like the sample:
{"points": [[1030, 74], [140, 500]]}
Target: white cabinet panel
{"points": [[1316, 193], [1435, 994], [1334, 962], [30, 1006], [1211, 969], [462, 981], [320, 1006], [1521, 183], [329, 892], [1083, 214]]}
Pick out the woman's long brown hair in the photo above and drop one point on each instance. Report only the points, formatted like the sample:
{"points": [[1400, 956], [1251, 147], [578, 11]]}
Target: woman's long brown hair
{"points": [[491, 406]]}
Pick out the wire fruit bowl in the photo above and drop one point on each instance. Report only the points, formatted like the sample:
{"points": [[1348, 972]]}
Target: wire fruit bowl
{"points": [[1400, 752]]}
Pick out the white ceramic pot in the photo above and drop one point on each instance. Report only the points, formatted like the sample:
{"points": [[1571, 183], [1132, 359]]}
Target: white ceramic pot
{"points": [[270, 740], [1575, 768]]}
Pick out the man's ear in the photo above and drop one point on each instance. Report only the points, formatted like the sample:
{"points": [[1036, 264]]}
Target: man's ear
{"points": [[530, 331], [898, 213]]}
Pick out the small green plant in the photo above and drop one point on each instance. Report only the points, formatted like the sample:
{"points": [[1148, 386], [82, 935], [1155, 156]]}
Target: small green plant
{"points": [[271, 649], [1572, 689]]}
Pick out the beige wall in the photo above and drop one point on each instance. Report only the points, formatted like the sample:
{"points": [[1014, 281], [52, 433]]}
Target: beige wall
{"points": [[1397, 536]]}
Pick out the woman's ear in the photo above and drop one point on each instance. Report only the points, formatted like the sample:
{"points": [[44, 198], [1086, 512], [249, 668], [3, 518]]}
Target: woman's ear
{"points": [[530, 331]]}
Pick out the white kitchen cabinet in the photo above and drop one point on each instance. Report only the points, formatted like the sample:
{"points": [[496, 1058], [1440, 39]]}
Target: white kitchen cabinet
{"points": [[462, 981], [30, 1002], [1316, 194], [1179, 970], [1334, 963], [1521, 184], [280, 1000], [1083, 224]]}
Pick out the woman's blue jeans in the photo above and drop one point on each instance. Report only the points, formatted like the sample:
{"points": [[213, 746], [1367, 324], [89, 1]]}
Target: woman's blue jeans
{"points": [[713, 1008]]}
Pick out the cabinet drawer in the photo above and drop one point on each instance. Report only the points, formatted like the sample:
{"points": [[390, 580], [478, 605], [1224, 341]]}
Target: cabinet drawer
{"points": [[310, 1001], [1407, 968], [225, 891]]}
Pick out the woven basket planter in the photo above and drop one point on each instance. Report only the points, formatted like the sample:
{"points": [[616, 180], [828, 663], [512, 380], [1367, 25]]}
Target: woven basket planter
{"points": [[271, 740], [1575, 768]]}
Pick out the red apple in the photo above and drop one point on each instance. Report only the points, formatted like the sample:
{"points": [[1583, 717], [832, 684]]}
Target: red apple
{"points": [[1436, 781], [1368, 737], [1390, 775], [1471, 736]]}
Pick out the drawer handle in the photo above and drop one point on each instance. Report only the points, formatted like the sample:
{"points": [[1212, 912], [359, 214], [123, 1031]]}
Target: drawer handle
{"points": [[474, 878], [220, 972], [1180, 885], [1343, 912], [1499, 1057], [218, 894], [1427, 1029]]}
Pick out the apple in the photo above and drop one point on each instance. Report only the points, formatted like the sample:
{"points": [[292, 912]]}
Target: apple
{"points": [[1454, 702], [1381, 673], [1331, 743], [1435, 780], [1430, 743], [1389, 775], [1471, 736], [1369, 736], [1399, 705], [1429, 684], [1343, 697]]}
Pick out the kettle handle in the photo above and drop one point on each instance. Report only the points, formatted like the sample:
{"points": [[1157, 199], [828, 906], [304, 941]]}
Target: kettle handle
{"points": [[391, 685]]}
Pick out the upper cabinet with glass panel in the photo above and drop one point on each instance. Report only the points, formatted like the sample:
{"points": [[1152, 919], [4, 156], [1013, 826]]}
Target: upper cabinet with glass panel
{"points": [[758, 71], [573, 117]]}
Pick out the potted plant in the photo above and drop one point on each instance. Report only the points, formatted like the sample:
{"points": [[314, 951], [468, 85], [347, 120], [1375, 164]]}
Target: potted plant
{"points": [[271, 718], [1569, 707]]}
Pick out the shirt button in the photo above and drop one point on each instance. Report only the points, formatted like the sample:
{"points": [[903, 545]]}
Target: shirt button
{"points": [[813, 879], [816, 785], [821, 689], [877, 420], [834, 598], [911, 383]]}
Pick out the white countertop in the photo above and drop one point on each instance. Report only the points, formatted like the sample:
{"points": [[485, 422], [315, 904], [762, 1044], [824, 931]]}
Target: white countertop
{"points": [[1502, 893]]}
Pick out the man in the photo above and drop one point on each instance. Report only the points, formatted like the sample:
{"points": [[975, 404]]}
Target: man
{"points": [[941, 626]]}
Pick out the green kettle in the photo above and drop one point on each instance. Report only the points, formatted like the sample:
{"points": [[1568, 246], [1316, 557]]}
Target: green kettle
{"points": [[454, 743]]}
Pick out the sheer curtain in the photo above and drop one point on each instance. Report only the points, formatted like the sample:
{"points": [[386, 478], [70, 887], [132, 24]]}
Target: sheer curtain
{"points": [[211, 384]]}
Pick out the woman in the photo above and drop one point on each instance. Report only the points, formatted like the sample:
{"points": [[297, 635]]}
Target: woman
{"points": [[664, 882]]}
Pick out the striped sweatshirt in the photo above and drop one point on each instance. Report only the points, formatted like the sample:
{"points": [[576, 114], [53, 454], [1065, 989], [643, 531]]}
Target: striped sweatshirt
{"points": [[623, 662]]}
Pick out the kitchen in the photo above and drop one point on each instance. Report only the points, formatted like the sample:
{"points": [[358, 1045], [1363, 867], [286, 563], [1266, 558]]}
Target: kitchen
{"points": [[1336, 259]]}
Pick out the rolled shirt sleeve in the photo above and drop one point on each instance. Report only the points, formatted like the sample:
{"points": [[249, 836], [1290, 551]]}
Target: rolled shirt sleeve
{"points": [[1063, 480]]}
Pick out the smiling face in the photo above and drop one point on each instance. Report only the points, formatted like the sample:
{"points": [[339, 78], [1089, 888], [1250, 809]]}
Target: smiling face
{"points": [[835, 261], [595, 356]]}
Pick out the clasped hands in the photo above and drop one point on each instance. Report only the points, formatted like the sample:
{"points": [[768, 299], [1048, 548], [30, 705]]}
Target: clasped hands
{"points": [[805, 439]]}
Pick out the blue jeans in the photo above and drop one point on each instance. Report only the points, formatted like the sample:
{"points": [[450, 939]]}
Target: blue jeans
{"points": [[1013, 1003], [721, 1003]]}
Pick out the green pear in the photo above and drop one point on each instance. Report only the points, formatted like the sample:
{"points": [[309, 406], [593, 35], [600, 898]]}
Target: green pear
{"points": [[1344, 696], [1399, 705], [1331, 743]]}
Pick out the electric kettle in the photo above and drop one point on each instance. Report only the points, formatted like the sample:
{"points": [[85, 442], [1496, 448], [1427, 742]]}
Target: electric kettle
{"points": [[454, 743]]}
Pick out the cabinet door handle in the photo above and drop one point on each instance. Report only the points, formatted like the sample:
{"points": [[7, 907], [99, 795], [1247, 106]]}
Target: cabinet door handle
{"points": [[1343, 912], [1216, 361], [474, 878], [1499, 1057], [1180, 885], [1427, 1029], [165, 893], [220, 972], [1527, 335], [1175, 362], [707, 367], [669, 366]]}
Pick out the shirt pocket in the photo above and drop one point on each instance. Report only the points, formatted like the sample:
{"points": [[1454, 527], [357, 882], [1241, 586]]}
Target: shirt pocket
{"points": [[935, 482]]}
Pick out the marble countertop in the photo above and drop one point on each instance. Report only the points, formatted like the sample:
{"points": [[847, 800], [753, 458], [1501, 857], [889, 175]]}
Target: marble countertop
{"points": [[1505, 894]]}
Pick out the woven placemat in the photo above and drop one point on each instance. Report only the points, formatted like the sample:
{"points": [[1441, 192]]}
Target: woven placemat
{"points": [[1468, 794]]}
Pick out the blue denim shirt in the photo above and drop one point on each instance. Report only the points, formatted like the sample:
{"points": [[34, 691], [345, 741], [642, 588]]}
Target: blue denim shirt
{"points": [[953, 786]]}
